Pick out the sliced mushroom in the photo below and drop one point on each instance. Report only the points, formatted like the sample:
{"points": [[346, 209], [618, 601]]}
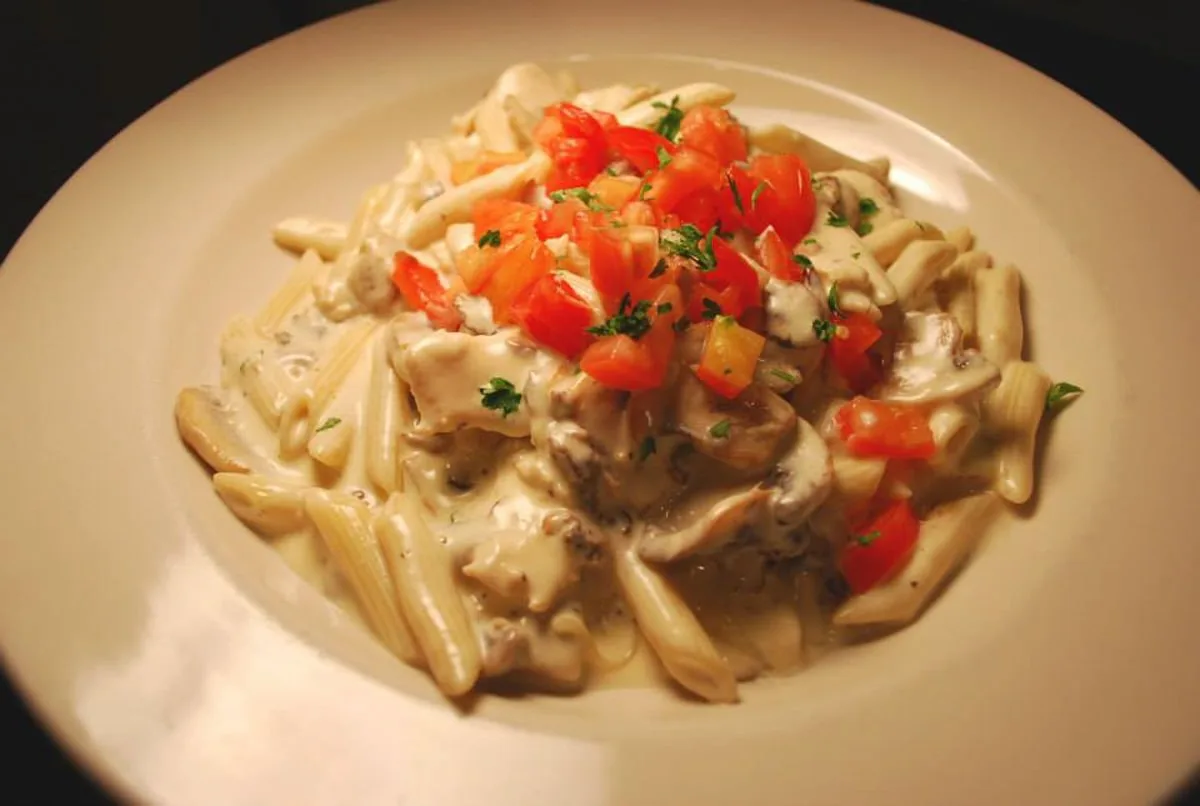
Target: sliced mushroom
{"points": [[840, 197], [268, 506], [930, 364], [800, 482], [745, 433], [712, 526], [868, 186], [781, 139], [206, 424], [370, 277], [515, 645], [839, 255]]}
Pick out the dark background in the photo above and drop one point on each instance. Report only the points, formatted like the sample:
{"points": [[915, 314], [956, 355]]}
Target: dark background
{"points": [[75, 72]]}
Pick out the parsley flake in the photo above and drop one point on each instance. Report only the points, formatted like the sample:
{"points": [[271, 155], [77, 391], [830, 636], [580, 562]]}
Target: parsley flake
{"points": [[711, 309], [584, 195], [1060, 395], [659, 269], [835, 220], [649, 446], [811, 242], [500, 395], [720, 430], [868, 538], [332, 422], [824, 329], [664, 157], [784, 376], [664, 307], [737, 194], [864, 228], [757, 192], [834, 300], [489, 238], [689, 242], [803, 261], [682, 324], [668, 125], [626, 321], [867, 206]]}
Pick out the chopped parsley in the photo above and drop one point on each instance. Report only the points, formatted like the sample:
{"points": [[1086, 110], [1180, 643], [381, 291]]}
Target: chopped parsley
{"points": [[668, 125], [664, 157], [500, 395], [682, 324], [642, 192], [584, 195], [867, 206], [611, 170], [660, 268], [627, 321], [811, 242], [332, 422], [648, 447], [824, 329], [489, 238], [864, 228], [720, 430], [711, 309], [868, 538], [737, 194], [664, 307], [803, 261], [834, 300], [835, 220], [689, 242], [1060, 395], [784, 376], [757, 192], [856, 255]]}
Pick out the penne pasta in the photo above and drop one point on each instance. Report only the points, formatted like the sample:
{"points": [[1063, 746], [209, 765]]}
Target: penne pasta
{"points": [[381, 430], [857, 478], [332, 374], [649, 111], [268, 506], [1015, 409], [998, 321], [204, 424], [290, 295], [424, 579], [325, 239], [946, 538], [343, 524], [953, 428], [955, 290], [889, 240], [820, 158], [333, 437], [962, 238], [672, 630], [918, 266], [244, 353]]}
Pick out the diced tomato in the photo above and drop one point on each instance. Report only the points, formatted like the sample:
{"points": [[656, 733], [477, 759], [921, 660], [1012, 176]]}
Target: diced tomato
{"points": [[607, 120], [735, 207], [880, 547], [640, 213], [719, 303], [848, 350], [559, 219], [551, 312], [622, 362], [512, 267], [576, 143], [776, 258], [485, 163], [614, 191], [701, 208], [885, 430], [730, 357], [639, 146], [734, 272], [612, 265], [423, 291], [785, 199], [506, 216], [714, 131], [688, 172]]}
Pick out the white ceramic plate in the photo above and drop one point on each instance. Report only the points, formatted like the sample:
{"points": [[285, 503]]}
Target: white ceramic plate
{"points": [[178, 658]]}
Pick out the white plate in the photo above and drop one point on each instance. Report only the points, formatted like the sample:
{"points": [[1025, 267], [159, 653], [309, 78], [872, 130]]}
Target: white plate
{"points": [[179, 659]]}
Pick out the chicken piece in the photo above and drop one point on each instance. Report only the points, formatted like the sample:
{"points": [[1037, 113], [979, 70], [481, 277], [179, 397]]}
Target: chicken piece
{"points": [[930, 364], [512, 645], [745, 433]]}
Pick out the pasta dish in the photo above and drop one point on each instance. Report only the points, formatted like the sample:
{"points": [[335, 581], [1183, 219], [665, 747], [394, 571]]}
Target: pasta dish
{"points": [[606, 380]]}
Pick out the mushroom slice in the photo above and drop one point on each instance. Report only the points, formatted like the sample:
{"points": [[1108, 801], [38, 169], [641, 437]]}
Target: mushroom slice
{"points": [[781, 139], [745, 433], [268, 506], [206, 425], [719, 524], [800, 482], [930, 365]]}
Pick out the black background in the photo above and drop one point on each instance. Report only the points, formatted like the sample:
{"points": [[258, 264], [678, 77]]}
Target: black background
{"points": [[77, 71]]}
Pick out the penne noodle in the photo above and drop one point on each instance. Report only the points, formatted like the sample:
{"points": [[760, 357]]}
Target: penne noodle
{"points": [[962, 238], [293, 424], [1015, 409], [381, 431], [268, 506], [955, 290], [853, 301], [333, 438], [244, 355], [290, 295], [917, 267], [324, 238], [886, 242], [946, 538], [857, 478], [672, 629], [998, 321], [424, 578], [648, 112], [341, 359], [342, 521], [820, 158], [953, 428], [613, 99], [204, 424]]}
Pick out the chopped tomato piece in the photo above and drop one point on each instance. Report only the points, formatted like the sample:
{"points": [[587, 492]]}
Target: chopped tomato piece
{"points": [[707, 302], [612, 264], [688, 172], [640, 213], [639, 147], [423, 291], [776, 258], [701, 208], [734, 272], [614, 191], [880, 547], [512, 268], [506, 216], [848, 350], [559, 218], [730, 357], [552, 313], [622, 362], [886, 430], [485, 163], [735, 200], [576, 143], [714, 131], [783, 196]]}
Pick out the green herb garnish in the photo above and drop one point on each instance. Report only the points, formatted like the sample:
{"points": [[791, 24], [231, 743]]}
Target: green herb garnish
{"points": [[868, 538], [664, 307], [489, 238], [584, 195], [757, 192], [689, 242], [664, 157], [720, 430], [711, 309], [786, 377], [500, 395], [864, 228], [835, 220], [660, 268], [834, 301], [649, 446], [811, 242], [668, 126], [1060, 395], [682, 324], [867, 206], [737, 194], [824, 329], [803, 261], [332, 422], [627, 321]]}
